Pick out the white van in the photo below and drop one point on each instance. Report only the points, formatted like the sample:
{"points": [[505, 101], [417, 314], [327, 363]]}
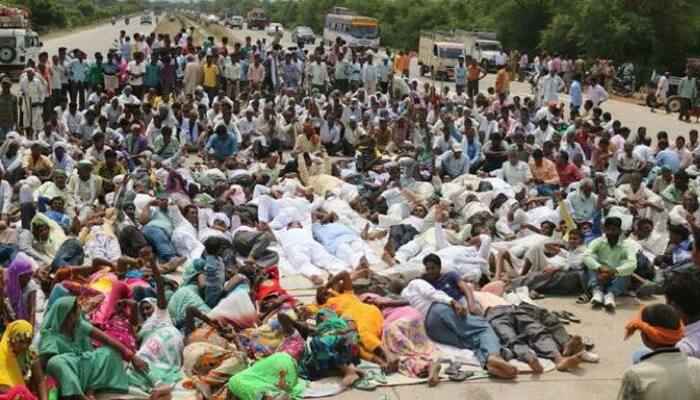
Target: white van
{"points": [[18, 44]]}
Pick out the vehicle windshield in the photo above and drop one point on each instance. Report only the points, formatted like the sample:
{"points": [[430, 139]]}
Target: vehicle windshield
{"points": [[304, 29], [451, 52], [364, 32], [489, 46]]}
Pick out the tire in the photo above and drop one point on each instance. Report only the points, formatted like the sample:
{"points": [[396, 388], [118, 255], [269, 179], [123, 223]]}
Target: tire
{"points": [[7, 54], [484, 64], [650, 100], [674, 104]]}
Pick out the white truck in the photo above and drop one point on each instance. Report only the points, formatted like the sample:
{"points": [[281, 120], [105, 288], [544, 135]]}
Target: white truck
{"points": [[481, 46], [438, 54], [18, 43]]}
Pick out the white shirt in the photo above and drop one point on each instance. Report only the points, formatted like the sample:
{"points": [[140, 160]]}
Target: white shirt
{"points": [[136, 69], [421, 295]]}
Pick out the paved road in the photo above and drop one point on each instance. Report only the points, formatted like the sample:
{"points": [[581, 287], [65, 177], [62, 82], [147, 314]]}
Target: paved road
{"points": [[592, 381], [93, 39]]}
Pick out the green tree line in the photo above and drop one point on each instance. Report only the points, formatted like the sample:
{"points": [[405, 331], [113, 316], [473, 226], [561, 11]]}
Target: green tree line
{"points": [[46, 15], [652, 33]]}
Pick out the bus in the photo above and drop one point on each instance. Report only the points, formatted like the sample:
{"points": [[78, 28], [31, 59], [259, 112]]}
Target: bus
{"points": [[359, 33]]}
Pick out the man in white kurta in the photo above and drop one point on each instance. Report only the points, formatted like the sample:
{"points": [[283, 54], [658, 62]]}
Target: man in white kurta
{"points": [[33, 93]]}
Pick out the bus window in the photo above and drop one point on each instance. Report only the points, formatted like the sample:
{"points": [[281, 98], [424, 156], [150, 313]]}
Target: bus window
{"points": [[435, 53]]}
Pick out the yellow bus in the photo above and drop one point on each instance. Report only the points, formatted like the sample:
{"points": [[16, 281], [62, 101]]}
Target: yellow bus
{"points": [[358, 32]]}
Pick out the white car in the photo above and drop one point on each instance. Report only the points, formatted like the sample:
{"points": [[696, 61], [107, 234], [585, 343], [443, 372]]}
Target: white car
{"points": [[211, 19], [273, 26]]}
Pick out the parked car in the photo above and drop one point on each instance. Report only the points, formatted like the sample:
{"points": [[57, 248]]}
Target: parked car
{"points": [[274, 26], [235, 21], [303, 34], [146, 19], [211, 19]]}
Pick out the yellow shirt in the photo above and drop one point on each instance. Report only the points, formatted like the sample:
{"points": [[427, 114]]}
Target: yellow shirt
{"points": [[42, 165], [210, 75]]}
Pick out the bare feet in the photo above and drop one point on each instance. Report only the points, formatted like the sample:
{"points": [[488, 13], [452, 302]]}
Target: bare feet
{"points": [[172, 265], [350, 375], [392, 365], [534, 364], [434, 374], [316, 280], [388, 258], [499, 368], [363, 264], [365, 232], [161, 393], [566, 363], [573, 346]]}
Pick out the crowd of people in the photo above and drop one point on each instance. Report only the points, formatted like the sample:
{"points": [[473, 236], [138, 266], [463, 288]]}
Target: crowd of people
{"points": [[153, 199]]}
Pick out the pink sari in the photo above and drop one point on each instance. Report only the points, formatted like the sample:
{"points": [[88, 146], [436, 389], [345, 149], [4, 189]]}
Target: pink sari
{"points": [[110, 321], [403, 334]]}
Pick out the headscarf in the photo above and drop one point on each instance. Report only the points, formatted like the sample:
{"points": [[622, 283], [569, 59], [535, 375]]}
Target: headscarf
{"points": [[52, 339], [657, 334], [192, 270], [119, 291], [13, 289], [10, 364], [263, 378], [332, 323]]}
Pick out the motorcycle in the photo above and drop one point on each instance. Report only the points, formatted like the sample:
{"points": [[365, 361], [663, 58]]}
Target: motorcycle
{"points": [[126, 20], [623, 86], [114, 21]]}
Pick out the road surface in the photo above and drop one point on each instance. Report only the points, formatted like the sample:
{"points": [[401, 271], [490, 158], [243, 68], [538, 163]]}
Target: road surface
{"points": [[95, 38], [591, 381]]}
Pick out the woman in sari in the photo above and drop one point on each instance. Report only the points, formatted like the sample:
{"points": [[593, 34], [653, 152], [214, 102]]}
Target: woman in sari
{"points": [[403, 334], [110, 316], [21, 290], [188, 294], [67, 354], [368, 318], [15, 361], [276, 376], [276, 333], [333, 346], [161, 343]]}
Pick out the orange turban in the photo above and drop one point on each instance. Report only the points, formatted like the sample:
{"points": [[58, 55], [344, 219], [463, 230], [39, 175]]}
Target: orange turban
{"points": [[663, 336]]}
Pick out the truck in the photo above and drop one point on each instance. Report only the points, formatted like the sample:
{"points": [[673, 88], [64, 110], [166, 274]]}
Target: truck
{"points": [[480, 45], [439, 53], [18, 43], [257, 19]]}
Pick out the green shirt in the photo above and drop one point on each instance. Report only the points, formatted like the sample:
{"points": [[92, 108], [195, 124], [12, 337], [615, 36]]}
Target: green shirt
{"points": [[621, 257], [96, 74], [687, 88], [166, 150]]}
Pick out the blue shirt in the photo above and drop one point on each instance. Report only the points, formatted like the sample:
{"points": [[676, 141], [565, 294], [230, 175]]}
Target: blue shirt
{"points": [[460, 75], [448, 283], [333, 235], [576, 94], [79, 70], [244, 70], [668, 158], [223, 149], [152, 75], [473, 150]]}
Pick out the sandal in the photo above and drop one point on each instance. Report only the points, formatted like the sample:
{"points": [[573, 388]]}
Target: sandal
{"points": [[454, 368], [560, 317], [365, 384], [461, 376], [583, 299], [570, 316], [377, 376]]}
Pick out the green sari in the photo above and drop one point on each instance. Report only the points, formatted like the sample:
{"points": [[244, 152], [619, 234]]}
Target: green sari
{"points": [[76, 364], [187, 294], [265, 376]]}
